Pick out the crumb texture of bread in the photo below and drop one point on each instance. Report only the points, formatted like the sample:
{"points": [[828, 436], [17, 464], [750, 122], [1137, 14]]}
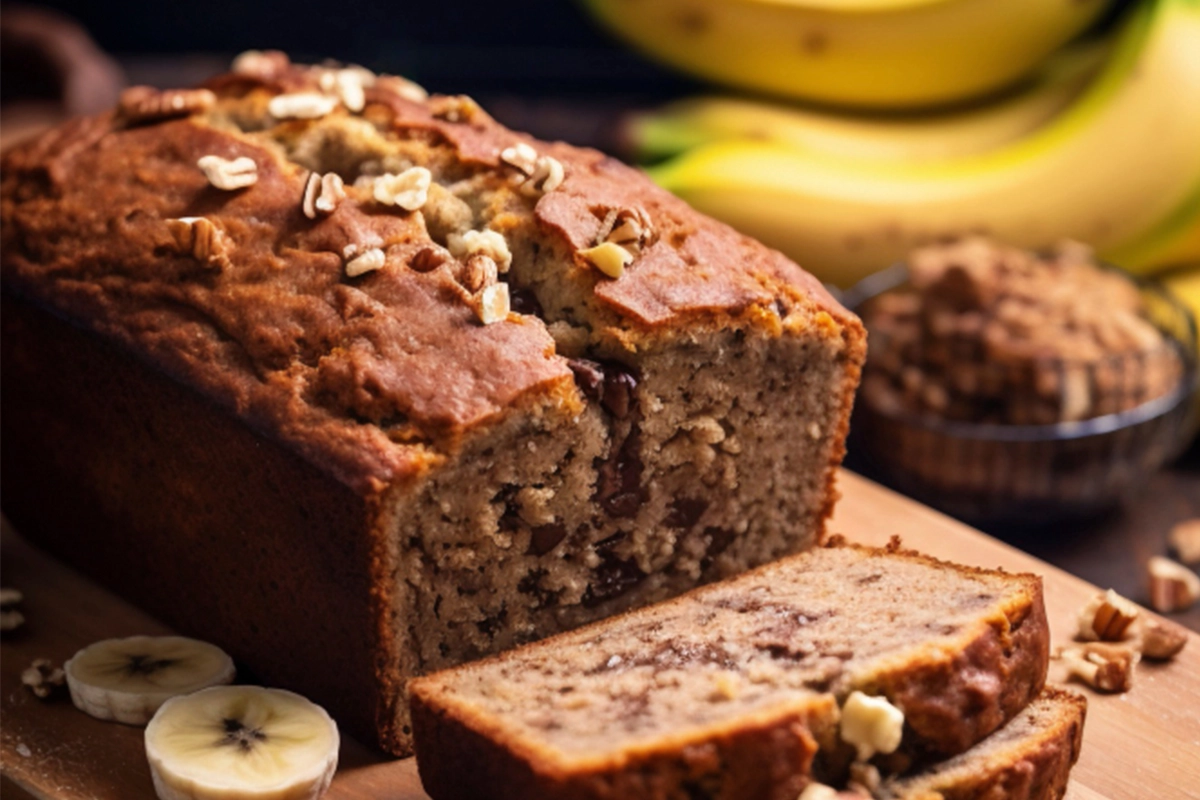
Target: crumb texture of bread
{"points": [[764, 649], [391, 289], [1030, 758]]}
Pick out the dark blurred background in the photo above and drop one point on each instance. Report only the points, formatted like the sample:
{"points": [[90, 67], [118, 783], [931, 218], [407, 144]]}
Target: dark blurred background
{"points": [[540, 65]]}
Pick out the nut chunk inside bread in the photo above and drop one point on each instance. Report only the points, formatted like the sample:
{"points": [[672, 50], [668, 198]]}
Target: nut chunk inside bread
{"points": [[733, 690], [395, 378]]}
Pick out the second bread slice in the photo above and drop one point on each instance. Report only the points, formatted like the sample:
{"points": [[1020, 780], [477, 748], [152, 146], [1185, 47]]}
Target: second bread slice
{"points": [[732, 690]]}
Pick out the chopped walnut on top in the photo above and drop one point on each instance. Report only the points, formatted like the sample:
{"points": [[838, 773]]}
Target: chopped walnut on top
{"points": [[367, 261], [486, 242], [408, 190], [538, 174], [322, 193], [520, 156], [492, 304], [201, 238], [262, 64], [454, 108], [301, 105], [347, 84], [147, 104], [628, 227], [610, 258], [229, 174]]}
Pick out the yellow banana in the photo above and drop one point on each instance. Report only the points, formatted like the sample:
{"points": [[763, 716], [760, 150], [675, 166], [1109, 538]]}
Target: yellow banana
{"points": [[1108, 171], [866, 53], [695, 121]]}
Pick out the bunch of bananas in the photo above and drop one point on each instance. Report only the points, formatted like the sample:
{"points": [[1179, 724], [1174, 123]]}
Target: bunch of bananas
{"points": [[1101, 145]]}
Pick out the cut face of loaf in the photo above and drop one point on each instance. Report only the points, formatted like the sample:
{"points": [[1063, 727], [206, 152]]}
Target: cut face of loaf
{"points": [[285, 300], [1030, 758], [734, 689]]}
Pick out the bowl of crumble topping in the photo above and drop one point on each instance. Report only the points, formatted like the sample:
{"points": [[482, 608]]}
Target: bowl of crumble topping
{"points": [[1008, 386]]}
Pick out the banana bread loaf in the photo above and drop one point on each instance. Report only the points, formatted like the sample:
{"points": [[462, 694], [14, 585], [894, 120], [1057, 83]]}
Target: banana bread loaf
{"points": [[734, 689], [359, 384]]}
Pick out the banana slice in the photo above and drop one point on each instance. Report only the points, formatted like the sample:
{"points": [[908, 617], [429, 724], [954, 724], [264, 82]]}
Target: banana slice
{"points": [[241, 743], [128, 679]]}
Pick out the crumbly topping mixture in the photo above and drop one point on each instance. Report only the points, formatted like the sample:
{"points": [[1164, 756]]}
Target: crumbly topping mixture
{"points": [[989, 333]]}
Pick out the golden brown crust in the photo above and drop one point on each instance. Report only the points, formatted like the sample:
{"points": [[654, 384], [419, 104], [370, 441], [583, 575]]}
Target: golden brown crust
{"points": [[373, 377]]}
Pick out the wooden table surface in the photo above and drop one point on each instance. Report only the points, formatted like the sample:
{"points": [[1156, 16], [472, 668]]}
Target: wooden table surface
{"points": [[1144, 744]]}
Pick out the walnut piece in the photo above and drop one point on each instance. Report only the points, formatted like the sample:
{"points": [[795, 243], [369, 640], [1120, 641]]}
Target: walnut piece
{"points": [[1173, 587], [11, 619], [628, 227], [493, 304], [147, 104], [611, 259], [265, 65], [1106, 617], [348, 84], [454, 108], [1184, 539], [229, 174], [520, 156], [201, 238], [368, 261], [1107, 667], [871, 724], [43, 678], [301, 105], [322, 193], [547, 176], [481, 271], [1161, 640], [408, 190], [486, 242]]}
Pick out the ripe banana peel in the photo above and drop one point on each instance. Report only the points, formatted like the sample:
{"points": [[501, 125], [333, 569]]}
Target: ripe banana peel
{"points": [[863, 53], [688, 123], [1124, 158]]}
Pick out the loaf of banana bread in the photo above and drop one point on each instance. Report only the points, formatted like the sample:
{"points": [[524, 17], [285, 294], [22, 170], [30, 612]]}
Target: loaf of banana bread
{"points": [[359, 384], [745, 688]]}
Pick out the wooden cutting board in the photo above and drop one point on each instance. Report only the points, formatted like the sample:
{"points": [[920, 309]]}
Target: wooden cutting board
{"points": [[1137, 746]]}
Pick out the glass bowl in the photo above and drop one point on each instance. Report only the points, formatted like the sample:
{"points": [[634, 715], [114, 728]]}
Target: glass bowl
{"points": [[1004, 474]]}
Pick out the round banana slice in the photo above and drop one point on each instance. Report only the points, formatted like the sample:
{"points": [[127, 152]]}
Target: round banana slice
{"points": [[241, 743], [128, 679]]}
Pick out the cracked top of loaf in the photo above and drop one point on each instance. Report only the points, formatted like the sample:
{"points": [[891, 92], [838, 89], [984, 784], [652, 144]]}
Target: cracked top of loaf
{"points": [[370, 318]]}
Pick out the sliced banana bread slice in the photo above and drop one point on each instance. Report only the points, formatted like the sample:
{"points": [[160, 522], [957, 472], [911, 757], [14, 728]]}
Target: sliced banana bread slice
{"points": [[1030, 758], [732, 690]]}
